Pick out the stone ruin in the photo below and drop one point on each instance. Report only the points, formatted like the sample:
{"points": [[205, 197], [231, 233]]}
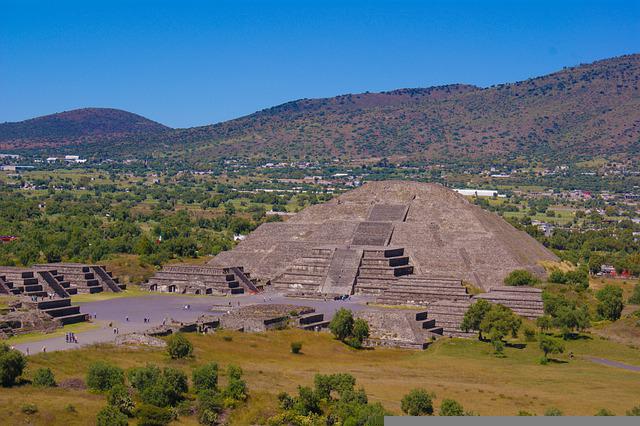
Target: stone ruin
{"points": [[86, 278], [42, 294], [259, 318], [403, 243], [197, 279]]}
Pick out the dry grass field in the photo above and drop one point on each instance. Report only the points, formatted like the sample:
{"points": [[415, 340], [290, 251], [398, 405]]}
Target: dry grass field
{"points": [[465, 370]]}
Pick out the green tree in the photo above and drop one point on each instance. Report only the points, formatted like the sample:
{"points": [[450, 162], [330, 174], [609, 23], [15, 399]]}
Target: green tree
{"points": [[605, 412], [450, 407], [44, 378], [610, 302], [296, 347], [360, 330], [111, 416], [549, 345], [143, 377], [103, 376], [178, 346], [12, 364], [342, 324], [544, 323], [205, 377], [635, 411], [499, 322], [209, 407], [418, 402], [521, 277], [474, 316]]}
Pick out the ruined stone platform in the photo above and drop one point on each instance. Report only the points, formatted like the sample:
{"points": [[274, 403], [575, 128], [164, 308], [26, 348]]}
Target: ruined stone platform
{"points": [[197, 279]]}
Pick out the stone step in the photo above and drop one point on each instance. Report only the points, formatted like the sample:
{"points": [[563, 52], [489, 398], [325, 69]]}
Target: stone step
{"points": [[62, 311], [383, 252], [428, 323], [72, 319], [311, 318], [313, 326]]}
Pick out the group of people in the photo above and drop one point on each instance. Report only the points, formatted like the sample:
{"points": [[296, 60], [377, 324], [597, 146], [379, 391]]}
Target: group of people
{"points": [[71, 338]]}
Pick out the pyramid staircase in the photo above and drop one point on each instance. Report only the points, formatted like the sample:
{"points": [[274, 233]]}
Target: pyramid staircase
{"points": [[422, 290], [307, 274], [381, 268]]}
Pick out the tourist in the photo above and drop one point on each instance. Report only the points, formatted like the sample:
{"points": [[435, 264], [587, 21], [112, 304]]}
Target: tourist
{"points": [[114, 330], [126, 318], [44, 349], [27, 351]]}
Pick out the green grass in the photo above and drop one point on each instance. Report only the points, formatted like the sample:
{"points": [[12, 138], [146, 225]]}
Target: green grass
{"points": [[465, 370], [37, 336]]}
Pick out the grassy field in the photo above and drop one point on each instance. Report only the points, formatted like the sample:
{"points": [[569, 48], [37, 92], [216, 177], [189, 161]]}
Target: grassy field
{"points": [[36, 336], [465, 370]]}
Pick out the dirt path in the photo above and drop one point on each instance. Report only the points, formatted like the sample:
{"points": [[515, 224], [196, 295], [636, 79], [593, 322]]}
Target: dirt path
{"points": [[615, 364]]}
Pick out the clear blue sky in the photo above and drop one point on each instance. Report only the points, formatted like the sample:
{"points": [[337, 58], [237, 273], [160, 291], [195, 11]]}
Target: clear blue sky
{"points": [[187, 63]]}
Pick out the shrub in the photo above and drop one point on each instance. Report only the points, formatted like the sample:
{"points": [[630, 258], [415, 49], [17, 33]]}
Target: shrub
{"points": [[169, 389], [557, 276], [553, 412], [179, 346], [205, 377], [529, 334], [103, 376], [143, 377], [635, 411], [29, 408], [605, 412], [360, 330], [634, 299], [227, 338], [149, 415], [520, 277], [523, 413], [111, 416], [296, 347], [44, 378], [610, 303], [450, 407], [70, 408], [418, 402], [209, 406], [120, 398], [12, 364]]}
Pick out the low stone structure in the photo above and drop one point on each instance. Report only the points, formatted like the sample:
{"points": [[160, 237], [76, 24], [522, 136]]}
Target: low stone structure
{"points": [[259, 318], [197, 279], [399, 328], [524, 301], [140, 339]]}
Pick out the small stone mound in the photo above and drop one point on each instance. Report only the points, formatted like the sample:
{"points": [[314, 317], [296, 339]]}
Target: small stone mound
{"points": [[138, 339]]}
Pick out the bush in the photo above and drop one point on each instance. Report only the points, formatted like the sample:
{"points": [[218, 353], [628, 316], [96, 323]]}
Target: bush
{"points": [[553, 412], [296, 347], [111, 416], [70, 408], [529, 334], [605, 412], [12, 364], [143, 377], [520, 277], [44, 378], [29, 408], [102, 376], [205, 377], [179, 346], [120, 398], [635, 411], [169, 389], [209, 406], [610, 303], [149, 415], [450, 407], [634, 299], [418, 402]]}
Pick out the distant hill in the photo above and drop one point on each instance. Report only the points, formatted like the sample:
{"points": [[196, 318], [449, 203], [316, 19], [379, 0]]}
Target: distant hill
{"points": [[74, 127], [583, 111]]}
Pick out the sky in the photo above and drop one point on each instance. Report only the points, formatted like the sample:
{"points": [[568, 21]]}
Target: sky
{"points": [[187, 63]]}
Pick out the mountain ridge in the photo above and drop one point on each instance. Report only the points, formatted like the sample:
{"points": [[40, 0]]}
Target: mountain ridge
{"points": [[587, 110]]}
